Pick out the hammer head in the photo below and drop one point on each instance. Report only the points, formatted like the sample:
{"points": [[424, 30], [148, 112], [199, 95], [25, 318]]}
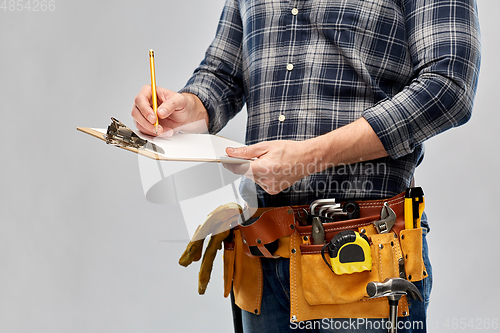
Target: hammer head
{"points": [[395, 287]]}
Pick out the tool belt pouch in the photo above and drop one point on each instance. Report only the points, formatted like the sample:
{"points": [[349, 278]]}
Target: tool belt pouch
{"points": [[261, 236], [317, 292], [411, 246]]}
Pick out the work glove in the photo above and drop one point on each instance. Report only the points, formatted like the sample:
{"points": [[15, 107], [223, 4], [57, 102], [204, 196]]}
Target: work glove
{"points": [[217, 224]]}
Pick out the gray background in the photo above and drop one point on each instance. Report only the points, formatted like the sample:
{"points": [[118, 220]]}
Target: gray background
{"points": [[81, 250]]}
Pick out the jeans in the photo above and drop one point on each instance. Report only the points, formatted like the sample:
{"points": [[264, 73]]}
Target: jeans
{"points": [[275, 308]]}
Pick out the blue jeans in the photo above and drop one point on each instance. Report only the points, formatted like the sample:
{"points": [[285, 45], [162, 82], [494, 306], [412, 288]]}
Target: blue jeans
{"points": [[275, 309]]}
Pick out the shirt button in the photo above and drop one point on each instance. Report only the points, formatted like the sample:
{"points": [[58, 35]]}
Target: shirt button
{"points": [[295, 11], [289, 67], [282, 118]]}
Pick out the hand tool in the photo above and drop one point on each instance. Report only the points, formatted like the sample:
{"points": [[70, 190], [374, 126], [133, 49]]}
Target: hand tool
{"points": [[320, 202], [387, 220], [414, 207], [328, 208], [349, 253], [325, 208], [393, 289], [332, 213], [317, 231], [352, 209], [302, 216]]}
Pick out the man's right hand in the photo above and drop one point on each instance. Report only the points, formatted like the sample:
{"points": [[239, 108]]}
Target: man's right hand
{"points": [[175, 112]]}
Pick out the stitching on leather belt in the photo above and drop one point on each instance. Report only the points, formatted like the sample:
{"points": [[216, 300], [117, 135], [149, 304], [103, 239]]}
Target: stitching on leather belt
{"points": [[276, 222], [351, 226], [393, 201]]}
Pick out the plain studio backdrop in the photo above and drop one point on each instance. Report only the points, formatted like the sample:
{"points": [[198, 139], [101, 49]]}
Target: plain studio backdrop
{"points": [[82, 250]]}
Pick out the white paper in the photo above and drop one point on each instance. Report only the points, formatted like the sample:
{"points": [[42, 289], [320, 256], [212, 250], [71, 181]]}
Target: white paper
{"points": [[192, 147]]}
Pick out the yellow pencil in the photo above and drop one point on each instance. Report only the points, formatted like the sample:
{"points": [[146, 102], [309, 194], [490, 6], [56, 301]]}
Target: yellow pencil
{"points": [[153, 86]]}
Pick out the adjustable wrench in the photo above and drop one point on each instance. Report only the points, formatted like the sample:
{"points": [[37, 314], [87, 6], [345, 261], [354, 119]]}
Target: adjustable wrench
{"points": [[387, 220]]}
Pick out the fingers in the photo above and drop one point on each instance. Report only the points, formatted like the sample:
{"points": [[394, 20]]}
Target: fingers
{"points": [[143, 124], [144, 115], [176, 111], [261, 175], [143, 104], [142, 112], [240, 169], [248, 152], [170, 103]]}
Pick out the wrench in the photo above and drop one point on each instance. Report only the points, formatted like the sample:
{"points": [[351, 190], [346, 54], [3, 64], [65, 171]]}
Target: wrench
{"points": [[387, 220]]}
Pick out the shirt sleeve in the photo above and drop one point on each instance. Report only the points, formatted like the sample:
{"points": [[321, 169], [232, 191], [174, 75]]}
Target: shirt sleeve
{"points": [[218, 81], [444, 43]]}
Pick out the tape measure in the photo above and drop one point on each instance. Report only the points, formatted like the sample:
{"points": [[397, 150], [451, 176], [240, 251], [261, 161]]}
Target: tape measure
{"points": [[349, 253]]}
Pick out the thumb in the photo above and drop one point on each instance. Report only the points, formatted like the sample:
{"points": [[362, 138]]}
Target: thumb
{"points": [[170, 104], [248, 152]]}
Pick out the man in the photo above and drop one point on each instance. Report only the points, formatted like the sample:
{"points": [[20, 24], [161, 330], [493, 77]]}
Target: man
{"points": [[350, 87]]}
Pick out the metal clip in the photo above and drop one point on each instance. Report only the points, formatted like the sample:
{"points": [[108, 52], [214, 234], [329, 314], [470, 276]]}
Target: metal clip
{"points": [[402, 272], [387, 220], [120, 135]]}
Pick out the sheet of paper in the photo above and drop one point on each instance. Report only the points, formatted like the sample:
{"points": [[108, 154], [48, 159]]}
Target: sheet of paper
{"points": [[192, 147]]}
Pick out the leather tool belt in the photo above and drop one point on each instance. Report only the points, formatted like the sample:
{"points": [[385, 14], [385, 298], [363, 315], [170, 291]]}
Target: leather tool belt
{"points": [[315, 291]]}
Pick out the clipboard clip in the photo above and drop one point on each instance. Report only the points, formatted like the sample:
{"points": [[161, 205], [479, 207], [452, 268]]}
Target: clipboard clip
{"points": [[120, 135]]}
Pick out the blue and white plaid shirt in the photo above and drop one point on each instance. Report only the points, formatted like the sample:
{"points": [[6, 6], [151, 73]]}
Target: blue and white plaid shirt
{"points": [[307, 67]]}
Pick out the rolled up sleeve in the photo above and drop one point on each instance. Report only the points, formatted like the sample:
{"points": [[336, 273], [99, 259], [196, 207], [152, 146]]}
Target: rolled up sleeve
{"points": [[444, 43]]}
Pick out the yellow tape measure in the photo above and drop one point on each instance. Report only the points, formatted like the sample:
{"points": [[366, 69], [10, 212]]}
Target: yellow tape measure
{"points": [[349, 253]]}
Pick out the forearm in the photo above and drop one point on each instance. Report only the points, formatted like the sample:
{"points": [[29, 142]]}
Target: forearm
{"points": [[279, 164], [349, 144]]}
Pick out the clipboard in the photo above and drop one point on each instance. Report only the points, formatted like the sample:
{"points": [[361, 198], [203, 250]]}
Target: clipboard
{"points": [[184, 147]]}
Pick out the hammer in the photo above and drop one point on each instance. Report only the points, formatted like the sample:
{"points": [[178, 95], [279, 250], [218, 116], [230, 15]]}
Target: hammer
{"points": [[393, 289]]}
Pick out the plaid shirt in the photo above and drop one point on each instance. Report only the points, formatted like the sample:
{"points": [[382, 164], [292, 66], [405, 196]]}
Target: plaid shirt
{"points": [[307, 67]]}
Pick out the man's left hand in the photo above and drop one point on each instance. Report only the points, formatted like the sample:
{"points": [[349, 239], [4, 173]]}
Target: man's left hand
{"points": [[276, 165]]}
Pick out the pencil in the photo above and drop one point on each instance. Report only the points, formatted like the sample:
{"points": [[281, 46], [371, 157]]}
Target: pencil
{"points": [[153, 86]]}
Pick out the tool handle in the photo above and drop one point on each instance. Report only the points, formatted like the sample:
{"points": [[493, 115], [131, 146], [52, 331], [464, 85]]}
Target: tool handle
{"points": [[413, 207]]}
